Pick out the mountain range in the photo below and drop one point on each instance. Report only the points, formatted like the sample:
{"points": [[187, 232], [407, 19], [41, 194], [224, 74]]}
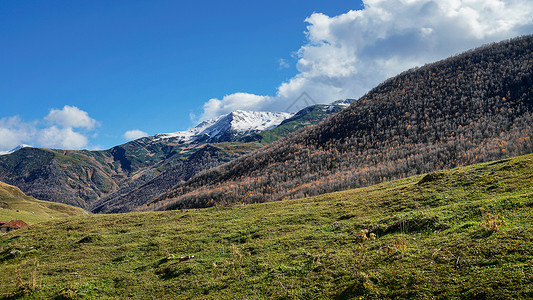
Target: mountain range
{"points": [[130, 175]]}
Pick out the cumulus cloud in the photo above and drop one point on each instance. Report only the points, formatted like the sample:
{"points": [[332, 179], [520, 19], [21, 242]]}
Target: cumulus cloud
{"points": [[229, 103], [63, 138], [346, 55], [71, 116], [13, 132], [56, 130], [9, 139], [134, 134]]}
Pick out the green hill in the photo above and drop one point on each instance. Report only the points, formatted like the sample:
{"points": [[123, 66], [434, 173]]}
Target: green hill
{"points": [[464, 233], [14, 205]]}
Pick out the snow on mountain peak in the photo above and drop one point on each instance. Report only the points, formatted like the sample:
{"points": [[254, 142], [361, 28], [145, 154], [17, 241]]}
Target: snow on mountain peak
{"points": [[239, 121], [343, 103], [15, 149], [245, 121]]}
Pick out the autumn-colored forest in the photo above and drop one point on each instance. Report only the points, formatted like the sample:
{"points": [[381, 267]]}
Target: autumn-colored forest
{"points": [[473, 107]]}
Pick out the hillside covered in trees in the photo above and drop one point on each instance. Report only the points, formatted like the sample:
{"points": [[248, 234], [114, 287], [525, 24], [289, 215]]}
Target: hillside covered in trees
{"points": [[473, 107]]}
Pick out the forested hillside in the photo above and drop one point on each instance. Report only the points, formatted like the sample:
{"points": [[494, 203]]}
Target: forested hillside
{"points": [[470, 108]]}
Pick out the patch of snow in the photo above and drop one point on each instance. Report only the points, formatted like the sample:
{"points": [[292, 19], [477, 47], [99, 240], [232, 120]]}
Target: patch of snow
{"points": [[15, 149], [241, 122], [343, 103], [187, 135], [244, 121]]}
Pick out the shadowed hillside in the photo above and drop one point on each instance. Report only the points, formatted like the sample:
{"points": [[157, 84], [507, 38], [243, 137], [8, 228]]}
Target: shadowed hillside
{"points": [[81, 177], [470, 108], [138, 193]]}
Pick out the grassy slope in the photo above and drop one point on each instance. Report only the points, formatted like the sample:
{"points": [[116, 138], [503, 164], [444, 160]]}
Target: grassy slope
{"points": [[429, 244], [17, 206]]}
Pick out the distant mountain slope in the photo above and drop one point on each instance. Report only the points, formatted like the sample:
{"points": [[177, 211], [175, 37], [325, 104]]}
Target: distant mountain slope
{"points": [[14, 205], [474, 107], [306, 117], [141, 192], [81, 177]]}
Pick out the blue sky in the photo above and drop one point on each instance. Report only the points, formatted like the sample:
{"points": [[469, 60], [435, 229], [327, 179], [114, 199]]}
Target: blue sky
{"points": [[80, 74]]}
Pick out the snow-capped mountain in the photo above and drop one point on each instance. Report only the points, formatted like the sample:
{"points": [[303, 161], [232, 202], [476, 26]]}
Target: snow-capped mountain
{"points": [[343, 103], [15, 149], [226, 127]]}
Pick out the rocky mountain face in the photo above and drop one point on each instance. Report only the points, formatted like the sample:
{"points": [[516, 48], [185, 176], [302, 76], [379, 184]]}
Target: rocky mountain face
{"points": [[474, 107]]}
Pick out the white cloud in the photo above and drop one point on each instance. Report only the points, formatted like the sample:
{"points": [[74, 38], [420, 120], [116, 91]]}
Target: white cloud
{"points": [[283, 64], [71, 116], [59, 133], [134, 134], [229, 103], [13, 132], [63, 138], [346, 55], [9, 139]]}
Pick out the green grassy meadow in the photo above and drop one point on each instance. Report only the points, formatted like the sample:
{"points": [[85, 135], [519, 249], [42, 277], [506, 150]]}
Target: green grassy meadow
{"points": [[14, 205], [464, 233]]}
